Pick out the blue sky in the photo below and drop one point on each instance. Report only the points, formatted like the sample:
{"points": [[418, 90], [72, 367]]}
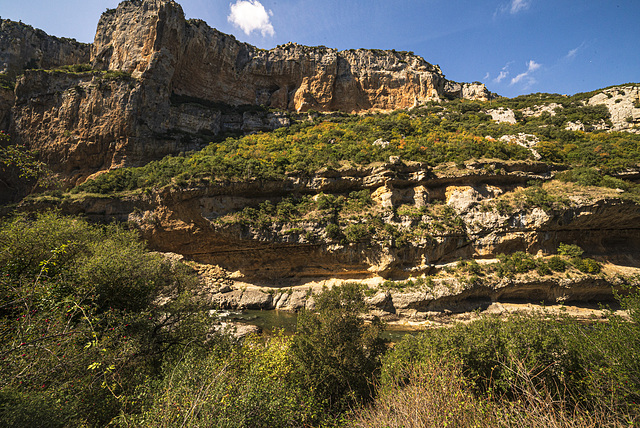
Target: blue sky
{"points": [[513, 46]]}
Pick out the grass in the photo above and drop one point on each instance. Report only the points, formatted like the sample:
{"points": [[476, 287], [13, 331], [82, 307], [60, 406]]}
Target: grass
{"points": [[438, 394]]}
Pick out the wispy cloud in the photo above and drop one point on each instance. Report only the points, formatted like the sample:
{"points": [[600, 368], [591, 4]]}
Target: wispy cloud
{"points": [[501, 76], [519, 5], [513, 7], [526, 77], [250, 16], [573, 52], [503, 73]]}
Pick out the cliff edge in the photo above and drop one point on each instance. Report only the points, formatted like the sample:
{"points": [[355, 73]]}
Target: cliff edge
{"points": [[151, 39]]}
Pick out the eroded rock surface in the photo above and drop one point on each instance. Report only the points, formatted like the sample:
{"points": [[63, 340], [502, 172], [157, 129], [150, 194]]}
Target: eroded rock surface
{"points": [[22, 46]]}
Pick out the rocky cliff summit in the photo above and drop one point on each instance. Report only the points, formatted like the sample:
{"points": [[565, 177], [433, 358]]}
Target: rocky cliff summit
{"points": [[151, 39], [156, 84]]}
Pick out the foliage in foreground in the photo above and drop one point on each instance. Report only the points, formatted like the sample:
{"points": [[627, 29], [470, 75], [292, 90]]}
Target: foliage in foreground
{"points": [[590, 366], [437, 393], [81, 324], [86, 338], [88, 335]]}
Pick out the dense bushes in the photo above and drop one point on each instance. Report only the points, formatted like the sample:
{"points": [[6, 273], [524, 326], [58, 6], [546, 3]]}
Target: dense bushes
{"points": [[336, 355], [89, 335], [80, 321], [309, 379], [580, 365], [520, 262]]}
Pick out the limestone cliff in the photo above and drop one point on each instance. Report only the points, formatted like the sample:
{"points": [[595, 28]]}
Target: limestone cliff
{"points": [[22, 47], [165, 85], [419, 224], [152, 39]]}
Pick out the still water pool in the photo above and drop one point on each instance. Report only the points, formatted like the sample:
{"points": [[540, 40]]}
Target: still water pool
{"points": [[269, 321]]}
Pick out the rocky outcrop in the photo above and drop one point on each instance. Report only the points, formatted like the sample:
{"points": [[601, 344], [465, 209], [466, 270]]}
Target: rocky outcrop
{"points": [[82, 123], [23, 47], [196, 60], [425, 220], [487, 215], [502, 115], [623, 103], [467, 91], [165, 85], [537, 111]]}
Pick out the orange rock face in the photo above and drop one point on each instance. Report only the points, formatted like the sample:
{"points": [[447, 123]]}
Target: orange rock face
{"points": [[186, 79], [152, 39]]}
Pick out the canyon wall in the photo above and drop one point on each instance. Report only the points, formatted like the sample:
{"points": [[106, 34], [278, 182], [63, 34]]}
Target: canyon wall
{"points": [[163, 85], [24, 47], [152, 39]]}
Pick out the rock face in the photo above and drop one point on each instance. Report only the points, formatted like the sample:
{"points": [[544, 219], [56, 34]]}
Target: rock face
{"points": [[82, 123], [623, 103], [502, 115], [169, 85], [22, 47], [186, 222], [275, 264], [199, 61]]}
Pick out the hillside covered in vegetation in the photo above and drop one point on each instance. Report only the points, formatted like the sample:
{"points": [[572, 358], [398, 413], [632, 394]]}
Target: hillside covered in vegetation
{"points": [[141, 203]]}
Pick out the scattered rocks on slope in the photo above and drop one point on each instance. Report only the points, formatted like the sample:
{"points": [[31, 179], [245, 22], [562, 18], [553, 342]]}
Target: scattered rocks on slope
{"points": [[502, 115], [623, 103]]}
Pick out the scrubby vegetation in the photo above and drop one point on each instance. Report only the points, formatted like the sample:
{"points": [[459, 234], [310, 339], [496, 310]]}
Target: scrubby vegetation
{"points": [[6, 82], [97, 330], [436, 133]]}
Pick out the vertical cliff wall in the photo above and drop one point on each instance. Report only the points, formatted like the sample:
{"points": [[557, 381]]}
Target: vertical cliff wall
{"points": [[22, 47], [151, 39], [163, 85]]}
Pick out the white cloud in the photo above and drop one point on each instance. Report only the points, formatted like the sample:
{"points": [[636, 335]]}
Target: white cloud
{"points": [[533, 66], [513, 7], [501, 76], [503, 73], [573, 52], [249, 16], [486, 76], [519, 5], [526, 76]]}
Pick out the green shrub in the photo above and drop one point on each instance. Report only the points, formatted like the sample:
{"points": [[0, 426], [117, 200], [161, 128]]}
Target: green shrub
{"points": [[587, 265], [75, 68], [570, 250], [334, 232], [231, 385], [489, 350], [115, 75], [542, 268], [82, 320], [336, 355], [357, 233], [518, 262], [614, 183], [6, 82], [584, 176], [557, 264]]}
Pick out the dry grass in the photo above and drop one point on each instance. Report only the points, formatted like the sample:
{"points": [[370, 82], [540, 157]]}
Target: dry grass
{"points": [[437, 395]]}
